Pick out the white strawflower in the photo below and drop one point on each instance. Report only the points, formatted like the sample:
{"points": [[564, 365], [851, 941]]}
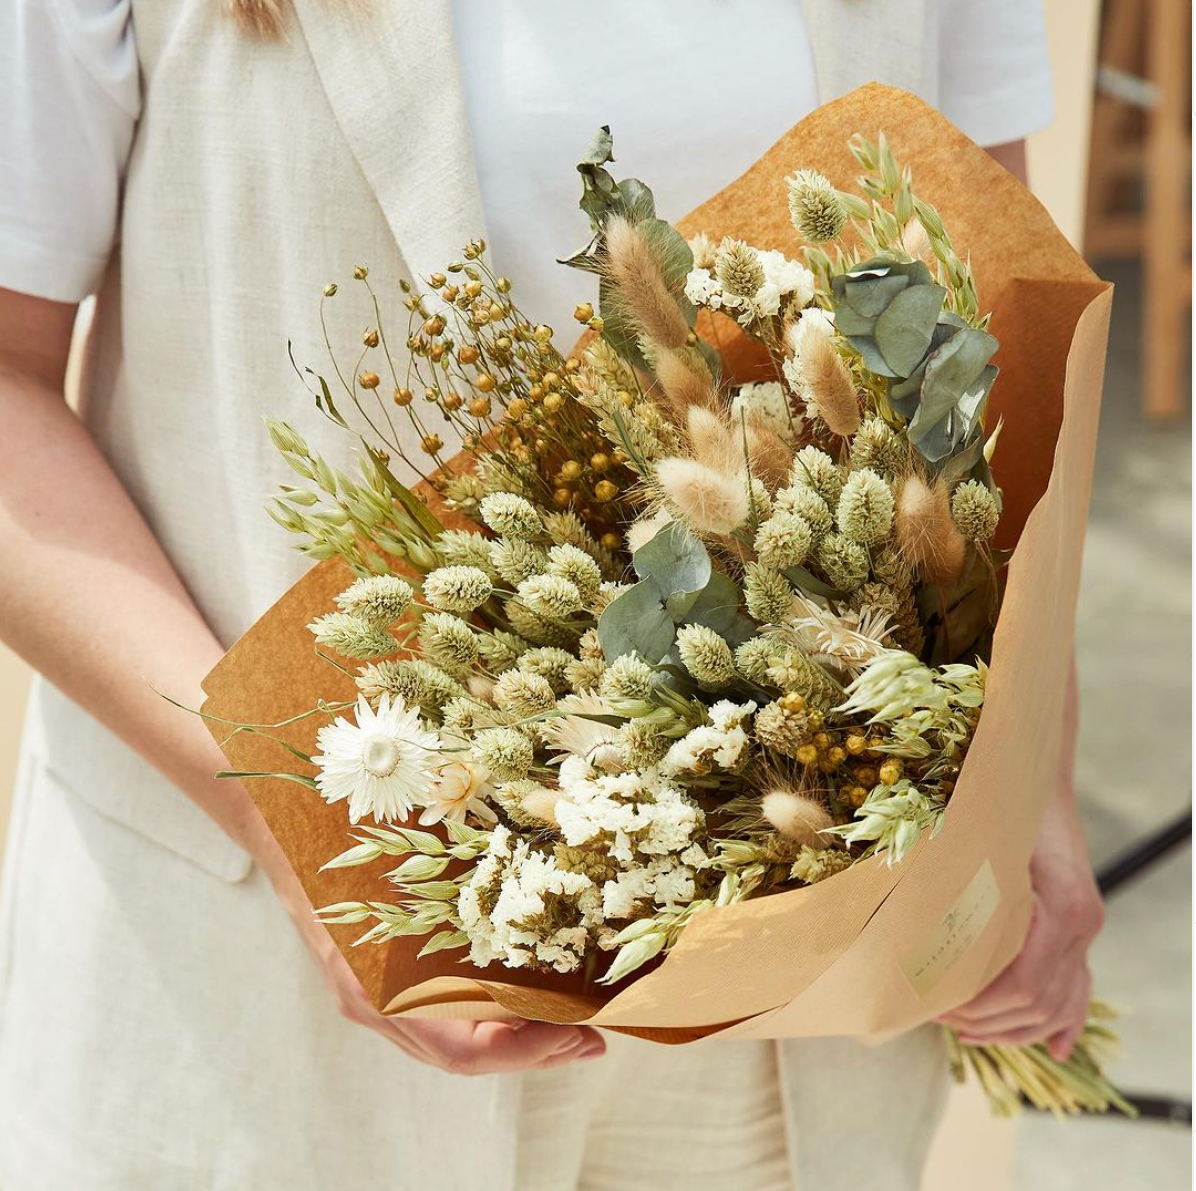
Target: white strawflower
{"points": [[458, 589], [575, 731], [849, 639], [511, 516], [384, 764], [461, 788]]}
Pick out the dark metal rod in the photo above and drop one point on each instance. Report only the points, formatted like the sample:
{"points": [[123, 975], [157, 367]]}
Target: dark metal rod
{"points": [[1141, 855]]}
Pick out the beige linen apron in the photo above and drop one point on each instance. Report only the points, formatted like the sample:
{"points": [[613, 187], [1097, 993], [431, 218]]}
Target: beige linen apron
{"points": [[161, 1026]]}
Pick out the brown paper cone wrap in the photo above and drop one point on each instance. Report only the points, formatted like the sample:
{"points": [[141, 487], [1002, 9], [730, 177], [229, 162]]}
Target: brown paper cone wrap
{"points": [[874, 949]]}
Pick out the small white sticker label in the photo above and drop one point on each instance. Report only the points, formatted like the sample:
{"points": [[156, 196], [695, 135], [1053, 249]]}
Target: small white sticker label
{"points": [[960, 927]]}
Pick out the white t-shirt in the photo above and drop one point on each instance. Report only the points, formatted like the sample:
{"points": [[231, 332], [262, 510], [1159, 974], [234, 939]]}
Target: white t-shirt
{"points": [[693, 91]]}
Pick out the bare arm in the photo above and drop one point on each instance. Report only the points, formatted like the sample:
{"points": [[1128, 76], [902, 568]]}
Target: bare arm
{"points": [[1012, 155], [88, 597], [85, 588]]}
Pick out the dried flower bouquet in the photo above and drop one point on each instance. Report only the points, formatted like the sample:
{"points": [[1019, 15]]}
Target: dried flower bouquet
{"points": [[661, 640]]}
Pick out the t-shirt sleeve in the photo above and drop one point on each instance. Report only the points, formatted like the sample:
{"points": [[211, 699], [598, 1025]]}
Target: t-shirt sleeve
{"points": [[994, 69], [69, 101]]}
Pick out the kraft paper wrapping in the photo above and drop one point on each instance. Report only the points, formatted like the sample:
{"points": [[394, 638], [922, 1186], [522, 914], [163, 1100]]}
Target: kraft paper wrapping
{"points": [[874, 949]]}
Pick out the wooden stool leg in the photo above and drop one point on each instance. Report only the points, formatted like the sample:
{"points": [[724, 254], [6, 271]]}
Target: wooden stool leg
{"points": [[1165, 309]]}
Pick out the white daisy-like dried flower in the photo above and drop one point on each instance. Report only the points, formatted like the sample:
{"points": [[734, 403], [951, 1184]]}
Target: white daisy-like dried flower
{"points": [[378, 599], [574, 731], [382, 765], [461, 789], [511, 516], [847, 639], [458, 589]]}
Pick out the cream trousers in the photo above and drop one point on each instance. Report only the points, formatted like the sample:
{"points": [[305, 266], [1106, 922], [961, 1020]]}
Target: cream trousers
{"points": [[162, 1029]]}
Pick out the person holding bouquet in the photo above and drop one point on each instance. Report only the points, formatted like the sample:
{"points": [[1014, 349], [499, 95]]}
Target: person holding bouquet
{"points": [[203, 172]]}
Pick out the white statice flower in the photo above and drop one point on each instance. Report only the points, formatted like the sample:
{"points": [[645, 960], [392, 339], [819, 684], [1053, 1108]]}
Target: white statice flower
{"points": [[521, 907], [636, 814], [384, 764], [767, 403], [789, 280], [664, 883], [702, 289], [785, 282], [461, 788], [722, 743], [725, 715]]}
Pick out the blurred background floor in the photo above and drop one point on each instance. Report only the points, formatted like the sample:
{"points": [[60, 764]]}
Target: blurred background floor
{"points": [[1134, 644]]}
